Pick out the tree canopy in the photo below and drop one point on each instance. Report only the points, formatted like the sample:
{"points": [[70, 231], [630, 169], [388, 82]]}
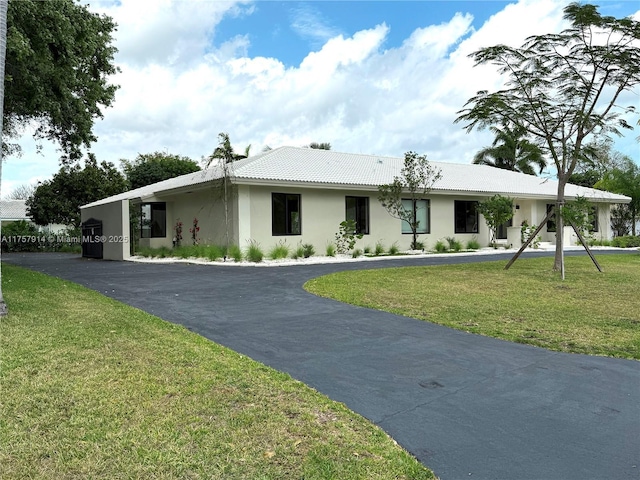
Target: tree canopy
{"points": [[59, 199], [58, 63], [150, 168], [625, 180], [511, 150], [496, 211], [320, 145], [562, 89]]}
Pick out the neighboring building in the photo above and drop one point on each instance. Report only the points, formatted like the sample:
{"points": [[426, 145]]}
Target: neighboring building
{"points": [[13, 211], [301, 195]]}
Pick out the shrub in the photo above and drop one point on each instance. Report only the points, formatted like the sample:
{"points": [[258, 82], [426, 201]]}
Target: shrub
{"points": [[280, 250], [454, 244], [419, 246], [307, 250], [346, 236], [393, 249], [254, 252], [440, 247], [379, 248], [473, 244], [367, 249], [235, 253], [356, 253], [214, 252], [298, 252], [331, 250], [628, 241], [20, 236]]}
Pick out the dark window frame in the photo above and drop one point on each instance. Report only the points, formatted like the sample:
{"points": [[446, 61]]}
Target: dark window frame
{"points": [[420, 231], [362, 219], [287, 225], [594, 224], [157, 226], [460, 206]]}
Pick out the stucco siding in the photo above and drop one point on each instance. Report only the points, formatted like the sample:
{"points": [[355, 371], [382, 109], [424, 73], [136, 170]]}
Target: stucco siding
{"points": [[115, 228]]}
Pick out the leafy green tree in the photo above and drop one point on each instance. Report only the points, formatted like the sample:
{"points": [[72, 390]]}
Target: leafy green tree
{"points": [[496, 211], [416, 179], [155, 167], [59, 199], [598, 157], [512, 151], [625, 180], [562, 89], [58, 62]]}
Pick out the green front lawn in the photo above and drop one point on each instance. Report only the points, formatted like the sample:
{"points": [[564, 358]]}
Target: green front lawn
{"points": [[91, 388], [589, 312]]}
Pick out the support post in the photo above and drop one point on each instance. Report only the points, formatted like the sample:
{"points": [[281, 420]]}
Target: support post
{"points": [[529, 240], [586, 247]]}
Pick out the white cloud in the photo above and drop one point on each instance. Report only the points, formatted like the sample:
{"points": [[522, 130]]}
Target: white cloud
{"points": [[351, 91], [308, 23]]}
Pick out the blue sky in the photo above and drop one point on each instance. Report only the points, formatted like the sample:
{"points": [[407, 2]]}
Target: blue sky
{"points": [[377, 77]]}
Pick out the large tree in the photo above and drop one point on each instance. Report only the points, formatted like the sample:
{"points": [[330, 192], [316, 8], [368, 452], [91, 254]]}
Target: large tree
{"points": [[59, 199], [416, 179], [150, 168], [562, 89], [625, 179], [58, 63], [22, 192], [511, 150], [3, 54]]}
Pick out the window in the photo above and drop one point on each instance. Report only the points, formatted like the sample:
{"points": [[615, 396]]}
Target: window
{"points": [[466, 216], [422, 215], [153, 220], [551, 221], [285, 214], [357, 209]]}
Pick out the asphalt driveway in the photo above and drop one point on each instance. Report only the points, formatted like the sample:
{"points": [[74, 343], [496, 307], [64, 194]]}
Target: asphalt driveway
{"points": [[465, 405]]}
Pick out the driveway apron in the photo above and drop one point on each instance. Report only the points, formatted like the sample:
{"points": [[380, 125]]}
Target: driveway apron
{"points": [[465, 405]]}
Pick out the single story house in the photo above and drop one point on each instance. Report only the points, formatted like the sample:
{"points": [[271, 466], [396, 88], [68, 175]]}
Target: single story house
{"points": [[300, 196], [13, 211]]}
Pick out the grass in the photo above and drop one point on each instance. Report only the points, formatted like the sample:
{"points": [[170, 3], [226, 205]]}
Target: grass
{"points": [[92, 388], [589, 312], [279, 251], [254, 252]]}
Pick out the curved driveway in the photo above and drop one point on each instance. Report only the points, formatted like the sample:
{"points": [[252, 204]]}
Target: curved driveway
{"points": [[465, 405]]}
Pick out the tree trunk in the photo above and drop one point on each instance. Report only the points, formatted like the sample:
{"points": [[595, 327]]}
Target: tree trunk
{"points": [[4, 4], [558, 264]]}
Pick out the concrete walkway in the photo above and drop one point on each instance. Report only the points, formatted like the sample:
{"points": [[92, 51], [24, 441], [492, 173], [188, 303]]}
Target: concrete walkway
{"points": [[465, 405]]}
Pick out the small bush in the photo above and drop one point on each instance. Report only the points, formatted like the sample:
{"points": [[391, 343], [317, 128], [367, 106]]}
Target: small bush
{"points": [[308, 250], [628, 241], [331, 250], [235, 253], [356, 253], [254, 252], [280, 250], [214, 252], [440, 247], [473, 244], [419, 246], [379, 249], [454, 244], [367, 249], [393, 249], [599, 243]]}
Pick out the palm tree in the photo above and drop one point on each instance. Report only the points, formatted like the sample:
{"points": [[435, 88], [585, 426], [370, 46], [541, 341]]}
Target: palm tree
{"points": [[4, 5], [224, 152], [511, 151]]}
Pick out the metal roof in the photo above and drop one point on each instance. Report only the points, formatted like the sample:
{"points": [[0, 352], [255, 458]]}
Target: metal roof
{"points": [[13, 210], [330, 169]]}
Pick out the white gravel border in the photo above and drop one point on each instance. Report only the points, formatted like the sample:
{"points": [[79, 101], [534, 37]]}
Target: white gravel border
{"points": [[322, 259]]}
